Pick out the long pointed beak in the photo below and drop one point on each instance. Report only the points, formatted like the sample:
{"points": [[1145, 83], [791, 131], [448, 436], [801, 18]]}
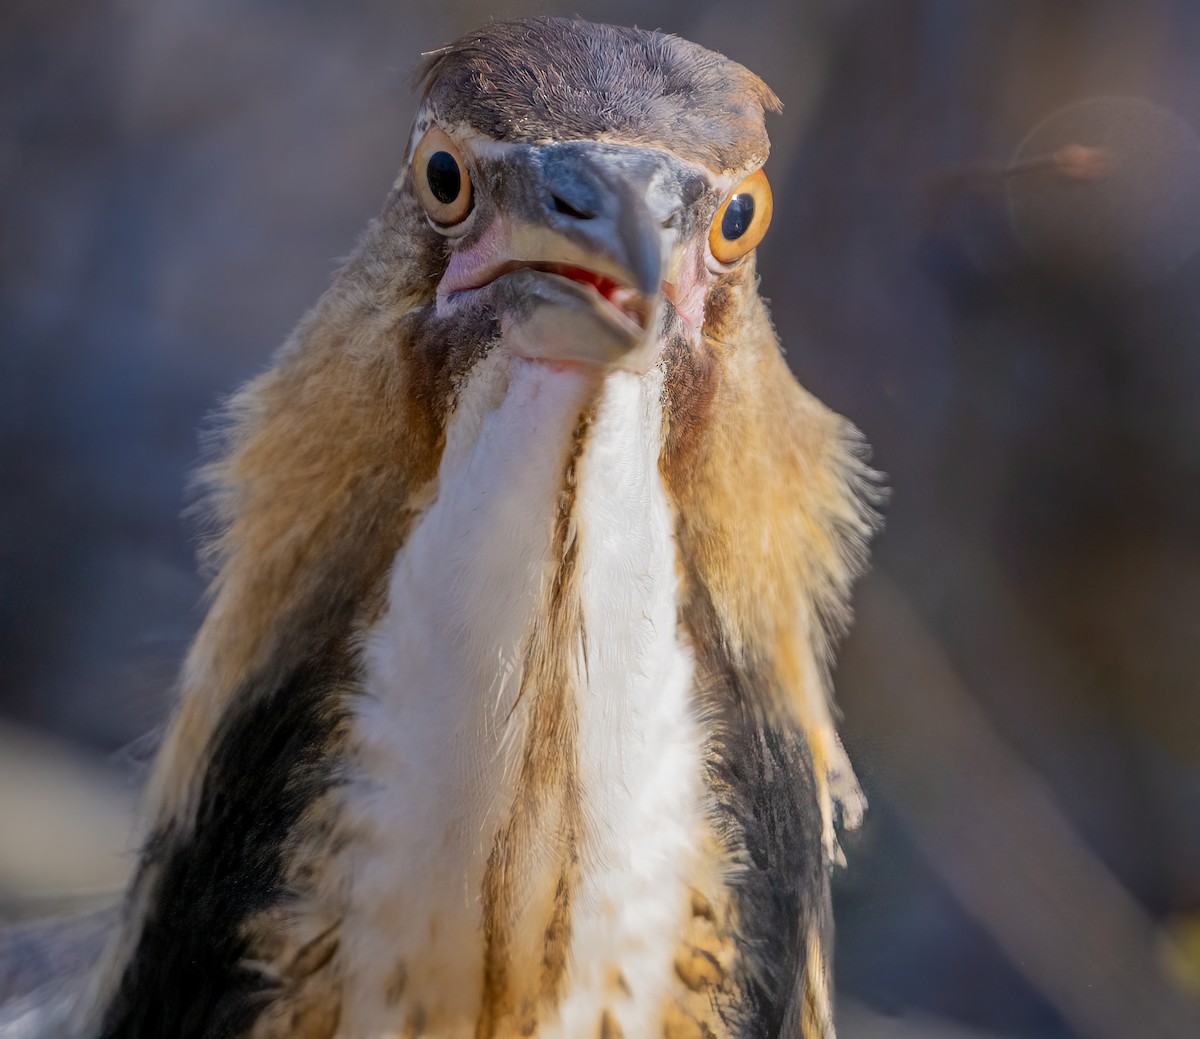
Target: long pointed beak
{"points": [[579, 277], [600, 214]]}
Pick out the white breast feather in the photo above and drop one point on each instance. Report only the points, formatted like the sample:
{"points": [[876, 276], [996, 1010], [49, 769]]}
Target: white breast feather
{"points": [[439, 744], [639, 747]]}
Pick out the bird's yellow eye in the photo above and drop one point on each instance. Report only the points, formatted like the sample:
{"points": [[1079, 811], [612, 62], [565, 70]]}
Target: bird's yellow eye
{"points": [[742, 220], [441, 180]]}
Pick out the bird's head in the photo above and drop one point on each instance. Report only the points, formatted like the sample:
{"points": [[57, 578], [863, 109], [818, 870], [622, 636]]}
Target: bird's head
{"points": [[580, 191]]}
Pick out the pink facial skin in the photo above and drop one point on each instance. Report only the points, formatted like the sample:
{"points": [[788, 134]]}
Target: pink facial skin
{"points": [[690, 287], [474, 267]]}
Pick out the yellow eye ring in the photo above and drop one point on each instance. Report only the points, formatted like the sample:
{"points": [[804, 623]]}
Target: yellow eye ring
{"points": [[742, 220], [440, 179]]}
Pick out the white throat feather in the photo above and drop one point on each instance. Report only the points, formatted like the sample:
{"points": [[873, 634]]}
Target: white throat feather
{"points": [[444, 728]]}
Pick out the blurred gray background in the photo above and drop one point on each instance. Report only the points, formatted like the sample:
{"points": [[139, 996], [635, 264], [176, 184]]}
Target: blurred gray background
{"points": [[1023, 351]]}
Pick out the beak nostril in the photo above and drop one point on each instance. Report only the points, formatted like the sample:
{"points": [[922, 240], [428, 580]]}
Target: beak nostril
{"points": [[561, 205]]}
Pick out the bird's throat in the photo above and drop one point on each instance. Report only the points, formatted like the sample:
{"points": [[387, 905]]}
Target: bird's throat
{"points": [[527, 729]]}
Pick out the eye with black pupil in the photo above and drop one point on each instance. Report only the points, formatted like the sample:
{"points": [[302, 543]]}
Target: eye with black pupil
{"points": [[739, 214], [444, 177]]}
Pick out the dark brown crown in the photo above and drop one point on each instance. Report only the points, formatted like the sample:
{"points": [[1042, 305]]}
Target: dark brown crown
{"points": [[544, 79]]}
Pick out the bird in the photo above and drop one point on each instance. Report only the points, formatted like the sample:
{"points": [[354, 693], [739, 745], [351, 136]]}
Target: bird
{"points": [[510, 714]]}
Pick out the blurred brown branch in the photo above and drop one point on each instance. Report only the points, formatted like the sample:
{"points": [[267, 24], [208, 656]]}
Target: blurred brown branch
{"points": [[991, 829]]}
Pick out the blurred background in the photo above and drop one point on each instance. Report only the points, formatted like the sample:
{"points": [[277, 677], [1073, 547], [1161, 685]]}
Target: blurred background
{"points": [[984, 253]]}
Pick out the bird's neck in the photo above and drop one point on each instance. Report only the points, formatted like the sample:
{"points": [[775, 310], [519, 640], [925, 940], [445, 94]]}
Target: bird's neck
{"points": [[528, 776]]}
